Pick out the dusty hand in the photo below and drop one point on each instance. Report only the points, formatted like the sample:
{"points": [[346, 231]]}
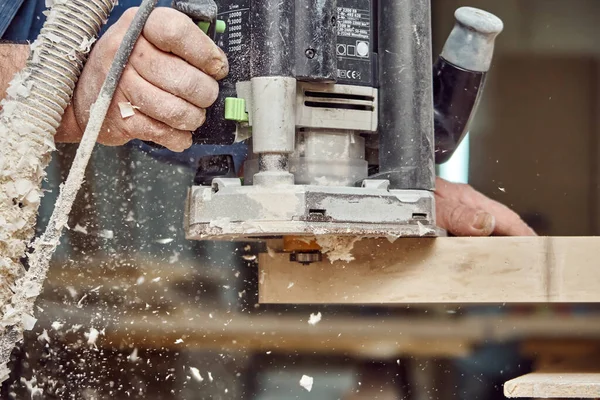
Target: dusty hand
{"points": [[171, 76], [463, 211]]}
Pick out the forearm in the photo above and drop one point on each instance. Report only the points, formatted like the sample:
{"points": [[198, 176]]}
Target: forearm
{"points": [[12, 59], [68, 131]]}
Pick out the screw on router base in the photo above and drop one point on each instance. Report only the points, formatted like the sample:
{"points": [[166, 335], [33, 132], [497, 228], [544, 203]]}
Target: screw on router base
{"points": [[306, 258]]}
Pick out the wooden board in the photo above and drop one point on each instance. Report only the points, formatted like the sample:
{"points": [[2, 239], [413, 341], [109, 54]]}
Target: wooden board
{"points": [[554, 385], [358, 335], [578, 378], [547, 349], [156, 314], [442, 270]]}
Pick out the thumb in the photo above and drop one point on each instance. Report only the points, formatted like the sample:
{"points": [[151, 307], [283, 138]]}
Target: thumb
{"points": [[461, 220]]}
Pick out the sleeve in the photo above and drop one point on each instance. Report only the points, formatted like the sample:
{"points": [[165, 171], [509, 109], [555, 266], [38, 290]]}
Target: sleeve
{"points": [[190, 157], [18, 19], [22, 20]]}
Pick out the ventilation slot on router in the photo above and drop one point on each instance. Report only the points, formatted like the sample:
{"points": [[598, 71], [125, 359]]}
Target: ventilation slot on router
{"points": [[338, 100]]}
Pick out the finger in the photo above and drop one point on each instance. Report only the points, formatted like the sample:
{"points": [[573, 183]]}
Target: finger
{"points": [[160, 105], [461, 220], [174, 75], [174, 32], [140, 126], [508, 223]]}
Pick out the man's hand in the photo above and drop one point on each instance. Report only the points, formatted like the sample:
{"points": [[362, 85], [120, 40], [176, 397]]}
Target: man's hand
{"points": [[463, 211], [170, 79]]}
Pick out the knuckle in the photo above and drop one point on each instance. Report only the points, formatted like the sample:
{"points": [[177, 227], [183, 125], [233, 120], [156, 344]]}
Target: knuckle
{"points": [[185, 141], [157, 67], [141, 55], [201, 118], [173, 31], [466, 188], [468, 195], [128, 15], [126, 81], [177, 114], [186, 83], [193, 85], [205, 91], [457, 215], [211, 90], [113, 42], [179, 140], [174, 116], [129, 127], [191, 120]]}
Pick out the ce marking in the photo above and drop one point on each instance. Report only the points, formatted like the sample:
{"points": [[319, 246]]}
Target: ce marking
{"points": [[349, 74]]}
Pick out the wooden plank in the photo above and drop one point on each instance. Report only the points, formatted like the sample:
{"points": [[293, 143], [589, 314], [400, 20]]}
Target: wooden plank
{"points": [[442, 270], [571, 379], [372, 337], [554, 385], [595, 149], [553, 348], [368, 336]]}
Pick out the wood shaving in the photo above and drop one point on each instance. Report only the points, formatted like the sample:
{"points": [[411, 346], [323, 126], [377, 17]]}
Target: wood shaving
{"points": [[28, 322], [53, 37], [56, 325], [196, 374], [86, 45], [337, 248], [92, 336], [43, 337], [307, 382], [314, 318], [133, 357], [126, 109], [80, 229]]}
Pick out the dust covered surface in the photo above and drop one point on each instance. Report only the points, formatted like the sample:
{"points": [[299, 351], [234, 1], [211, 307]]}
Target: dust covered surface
{"points": [[337, 248], [27, 131]]}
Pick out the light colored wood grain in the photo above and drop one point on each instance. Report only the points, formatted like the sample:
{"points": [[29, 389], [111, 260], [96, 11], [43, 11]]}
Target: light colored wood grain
{"points": [[371, 337], [442, 270], [571, 378], [549, 349], [554, 385], [367, 336]]}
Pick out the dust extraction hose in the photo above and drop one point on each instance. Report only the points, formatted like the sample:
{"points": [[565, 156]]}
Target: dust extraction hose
{"points": [[37, 99], [32, 111]]}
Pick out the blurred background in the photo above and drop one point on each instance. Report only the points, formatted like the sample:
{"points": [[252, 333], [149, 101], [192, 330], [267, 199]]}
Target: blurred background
{"points": [[133, 310], [535, 142]]}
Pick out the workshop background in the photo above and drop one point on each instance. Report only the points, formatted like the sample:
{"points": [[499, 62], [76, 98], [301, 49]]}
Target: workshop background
{"points": [[133, 310]]}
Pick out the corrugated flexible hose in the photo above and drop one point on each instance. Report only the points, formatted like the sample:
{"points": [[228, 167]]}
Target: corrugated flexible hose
{"points": [[31, 113]]}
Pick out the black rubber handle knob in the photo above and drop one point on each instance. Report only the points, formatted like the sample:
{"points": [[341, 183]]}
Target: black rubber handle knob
{"points": [[459, 77]]}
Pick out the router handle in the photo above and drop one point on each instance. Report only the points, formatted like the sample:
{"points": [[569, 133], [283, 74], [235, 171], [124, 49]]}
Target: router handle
{"points": [[459, 76]]}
